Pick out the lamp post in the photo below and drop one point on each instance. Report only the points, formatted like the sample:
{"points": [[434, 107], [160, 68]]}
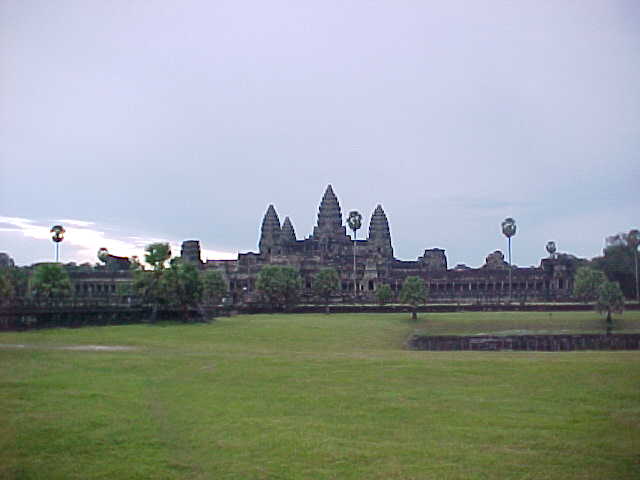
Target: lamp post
{"points": [[509, 230], [355, 222], [57, 237], [633, 240]]}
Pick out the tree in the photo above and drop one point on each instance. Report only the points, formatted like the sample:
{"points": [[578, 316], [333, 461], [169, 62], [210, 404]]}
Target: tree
{"points": [[279, 285], [618, 261], [384, 294], [214, 286], [610, 299], [325, 285], [633, 240], [413, 293], [355, 222], [145, 285], [124, 289], [182, 286], [149, 285], [157, 255], [7, 292], [135, 263], [19, 278], [587, 283], [50, 281]]}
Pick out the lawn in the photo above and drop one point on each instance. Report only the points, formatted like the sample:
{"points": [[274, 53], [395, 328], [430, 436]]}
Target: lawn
{"points": [[316, 397]]}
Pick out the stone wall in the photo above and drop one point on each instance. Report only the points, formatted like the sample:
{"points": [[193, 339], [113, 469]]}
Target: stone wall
{"points": [[546, 343]]}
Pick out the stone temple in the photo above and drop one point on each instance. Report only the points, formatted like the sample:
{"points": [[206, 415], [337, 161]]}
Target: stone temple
{"points": [[330, 246]]}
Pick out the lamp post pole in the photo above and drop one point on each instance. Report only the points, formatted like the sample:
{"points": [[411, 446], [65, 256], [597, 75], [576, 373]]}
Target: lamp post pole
{"points": [[57, 237], [355, 288], [509, 230]]}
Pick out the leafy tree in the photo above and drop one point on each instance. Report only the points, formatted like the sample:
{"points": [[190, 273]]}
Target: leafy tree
{"points": [[7, 292], [633, 241], [384, 294], [413, 293], [124, 289], [610, 299], [19, 278], [149, 284], [618, 261], [50, 281], [135, 263], [142, 285], [214, 286], [279, 285], [587, 283], [181, 285], [157, 255], [325, 284]]}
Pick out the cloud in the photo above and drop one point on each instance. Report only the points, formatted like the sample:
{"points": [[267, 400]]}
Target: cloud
{"points": [[27, 227], [84, 238], [76, 223]]}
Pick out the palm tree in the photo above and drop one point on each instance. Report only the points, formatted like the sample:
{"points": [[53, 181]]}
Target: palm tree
{"points": [[57, 237], [509, 230], [551, 248], [355, 222], [103, 254]]}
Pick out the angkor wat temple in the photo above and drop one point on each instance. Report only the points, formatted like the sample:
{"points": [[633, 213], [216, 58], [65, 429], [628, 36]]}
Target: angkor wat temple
{"points": [[330, 246]]}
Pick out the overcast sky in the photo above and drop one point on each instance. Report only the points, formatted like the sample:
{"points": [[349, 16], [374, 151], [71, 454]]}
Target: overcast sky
{"points": [[135, 121]]}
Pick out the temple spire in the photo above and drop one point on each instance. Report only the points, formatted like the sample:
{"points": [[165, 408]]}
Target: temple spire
{"points": [[288, 233], [329, 213], [379, 233], [270, 232]]}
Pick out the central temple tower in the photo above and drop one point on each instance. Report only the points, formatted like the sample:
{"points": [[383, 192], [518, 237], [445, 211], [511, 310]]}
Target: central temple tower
{"points": [[329, 218], [329, 240]]}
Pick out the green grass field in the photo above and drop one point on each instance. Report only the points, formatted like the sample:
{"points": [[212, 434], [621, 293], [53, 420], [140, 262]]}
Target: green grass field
{"points": [[317, 397]]}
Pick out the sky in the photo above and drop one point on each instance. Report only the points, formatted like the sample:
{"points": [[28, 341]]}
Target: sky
{"points": [[138, 121]]}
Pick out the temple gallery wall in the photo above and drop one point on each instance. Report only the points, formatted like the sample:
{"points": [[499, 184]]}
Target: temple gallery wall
{"points": [[328, 245]]}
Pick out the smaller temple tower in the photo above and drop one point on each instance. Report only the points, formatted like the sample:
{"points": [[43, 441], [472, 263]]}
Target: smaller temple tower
{"points": [[434, 260], [379, 234], [190, 252], [288, 233], [270, 232]]}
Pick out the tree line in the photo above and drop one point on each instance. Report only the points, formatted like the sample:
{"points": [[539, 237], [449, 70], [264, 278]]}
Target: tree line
{"points": [[280, 287], [173, 283], [170, 282]]}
